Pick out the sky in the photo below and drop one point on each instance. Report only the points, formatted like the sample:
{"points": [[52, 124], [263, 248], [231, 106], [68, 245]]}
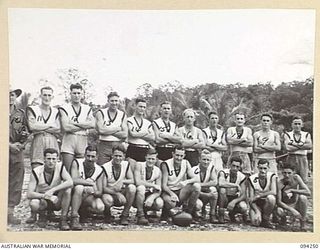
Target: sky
{"points": [[124, 49]]}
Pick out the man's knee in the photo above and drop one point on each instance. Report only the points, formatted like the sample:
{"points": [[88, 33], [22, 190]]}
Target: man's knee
{"points": [[222, 191], [271, 199], [213, 194], [303, 199], [168, 203], [196, 187], [280, 212], [107, 200], [100, 206], [131, 189], [78, 190], [158, 203], [35, 205], [199, 205], [141, 189], [243, 207]]}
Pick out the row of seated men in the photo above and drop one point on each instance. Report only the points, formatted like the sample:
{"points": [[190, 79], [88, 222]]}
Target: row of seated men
{"points": [[91, 188]]}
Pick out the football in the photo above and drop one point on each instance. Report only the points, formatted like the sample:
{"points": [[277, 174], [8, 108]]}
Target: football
{"points": [[182, 219]]}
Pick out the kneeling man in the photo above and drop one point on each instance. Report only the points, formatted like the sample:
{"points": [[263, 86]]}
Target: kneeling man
{"points": [[292, 196], [118, 185], [177, 189], [86, 193], [50, 189], [262, 189], [148, 180], [232, 191]]}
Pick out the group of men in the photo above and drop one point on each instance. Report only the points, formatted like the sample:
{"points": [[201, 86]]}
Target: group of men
{"points": [[153, 165]]}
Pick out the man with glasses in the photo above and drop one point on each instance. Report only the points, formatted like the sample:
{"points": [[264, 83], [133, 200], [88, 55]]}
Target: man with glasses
{"points": [[297, 143], [240, 141], [266, 143]]}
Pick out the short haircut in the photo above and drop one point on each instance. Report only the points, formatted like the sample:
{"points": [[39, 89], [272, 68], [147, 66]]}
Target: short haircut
{"points": [[178, 147], [268, 115], [112, 94], [46, 88], [287, 165], [263, 161], [140, 100], [50, 151], [236, 159], [151, 151], [205, 152], [75, 86], [212, 113], [119, 148], [91, 148], [188, 110], [240, 113], [165, 102], [297, 117]]}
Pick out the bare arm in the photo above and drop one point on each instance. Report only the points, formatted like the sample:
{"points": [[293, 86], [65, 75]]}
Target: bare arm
{"points": [[102, 129], [66, 124], [123, 133], [88, 123], [215, 147], [129, 177], [175, 138], [67, 183], [213, 181], [34, 127], [106, 189], [77, 180], [165, 187], [303, 188], [272, 191], [32, 194]]}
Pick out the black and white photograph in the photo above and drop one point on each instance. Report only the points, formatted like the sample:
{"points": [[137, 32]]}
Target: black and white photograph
{"points": [[161, 120]]}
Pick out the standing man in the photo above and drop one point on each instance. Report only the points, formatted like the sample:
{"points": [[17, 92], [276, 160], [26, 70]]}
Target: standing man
{"points": [[176, 188], [166, 132], [292, 198], [262, 198], [206, 176], [148, 181], [76, 119], [215, 140], [50, 189], [140, 133], [240, 141], [86, 192], [232, 191], [193, 140], [17, 137], [43, 121], [266, 143], [111, 124], [118, 185], [298, 143]]}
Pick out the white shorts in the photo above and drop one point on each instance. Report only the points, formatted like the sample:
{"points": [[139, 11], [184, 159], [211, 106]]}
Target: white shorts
{"points": [[74, 144]]}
